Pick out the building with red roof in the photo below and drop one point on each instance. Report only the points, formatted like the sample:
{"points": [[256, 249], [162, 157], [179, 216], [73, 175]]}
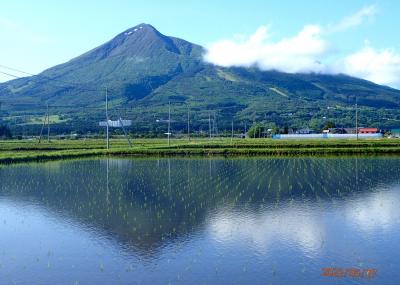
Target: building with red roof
{"points": [[368, 130]]}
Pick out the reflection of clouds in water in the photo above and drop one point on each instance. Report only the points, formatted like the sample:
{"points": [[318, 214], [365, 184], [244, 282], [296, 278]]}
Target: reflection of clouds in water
{"points": [[376, 211], [294, 225], [303, 226]]}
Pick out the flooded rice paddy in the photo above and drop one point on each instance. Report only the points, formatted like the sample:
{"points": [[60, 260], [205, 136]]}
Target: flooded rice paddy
{"points": [[200, 221]]}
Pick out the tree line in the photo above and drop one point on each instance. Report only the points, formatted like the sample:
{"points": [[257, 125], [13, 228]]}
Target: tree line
{"points": [[5, 132]]}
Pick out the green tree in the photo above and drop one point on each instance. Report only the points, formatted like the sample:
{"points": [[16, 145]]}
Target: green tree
{"points": [[255, 131], [329, 125], [5, 132], [315, 124], [286, 129]]}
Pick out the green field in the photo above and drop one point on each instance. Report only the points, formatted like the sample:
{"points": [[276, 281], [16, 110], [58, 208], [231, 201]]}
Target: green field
{"points": [[31, 150]]}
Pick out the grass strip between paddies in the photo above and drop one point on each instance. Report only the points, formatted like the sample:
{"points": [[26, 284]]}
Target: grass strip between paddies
{"points": [[10, 153]]}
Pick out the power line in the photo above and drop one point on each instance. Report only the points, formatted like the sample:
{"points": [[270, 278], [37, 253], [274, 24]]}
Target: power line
{"points": [[17, 70], [11, 75], [79, 86]]}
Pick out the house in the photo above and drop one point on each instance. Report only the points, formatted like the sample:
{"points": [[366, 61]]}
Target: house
{"points": [[349, 130], [337, 130], [305, 131], [368, 130], [395, 133]]}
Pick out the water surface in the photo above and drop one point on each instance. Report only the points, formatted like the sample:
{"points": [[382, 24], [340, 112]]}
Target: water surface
{"points": [[200, 221]]}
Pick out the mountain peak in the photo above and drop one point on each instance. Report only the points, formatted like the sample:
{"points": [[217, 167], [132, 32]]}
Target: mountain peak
{"points": [[143, 27], [140, 42]]}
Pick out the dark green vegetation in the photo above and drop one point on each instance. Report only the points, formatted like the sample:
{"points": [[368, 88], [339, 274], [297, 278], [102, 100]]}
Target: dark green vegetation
{"points": [[144, 70], [5, 132], [19, 151]]}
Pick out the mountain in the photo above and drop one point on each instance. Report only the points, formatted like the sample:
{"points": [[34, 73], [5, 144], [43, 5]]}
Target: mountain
{"points": [[143, 70]]}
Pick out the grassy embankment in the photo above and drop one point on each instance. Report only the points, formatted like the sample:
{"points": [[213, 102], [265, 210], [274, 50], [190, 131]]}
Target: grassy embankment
{"points": [[18, 151]]}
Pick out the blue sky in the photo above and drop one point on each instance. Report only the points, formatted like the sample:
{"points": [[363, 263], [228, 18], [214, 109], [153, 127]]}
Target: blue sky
{"points": [[39, 34]]}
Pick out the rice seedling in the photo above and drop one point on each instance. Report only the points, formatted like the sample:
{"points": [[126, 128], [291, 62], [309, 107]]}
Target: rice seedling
{"points": [[155, 205]]}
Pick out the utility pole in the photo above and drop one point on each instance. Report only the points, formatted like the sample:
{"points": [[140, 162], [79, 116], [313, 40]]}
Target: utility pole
{"points": [[188, 123], [125, 132], [215, 129], [209, 124], [169, 123], [245, 129], [1, 120], [107, 127], [48, 124], [44, 124], [232, 133], [356, 119]]}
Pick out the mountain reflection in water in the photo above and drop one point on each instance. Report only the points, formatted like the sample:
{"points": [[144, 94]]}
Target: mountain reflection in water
{"points": [[252, 217]]}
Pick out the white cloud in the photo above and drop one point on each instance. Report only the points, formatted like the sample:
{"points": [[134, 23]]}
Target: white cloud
{"points": [[265, 228], [380, 66], [297, 54], [375, 212], [356, 19], [309, 51]]}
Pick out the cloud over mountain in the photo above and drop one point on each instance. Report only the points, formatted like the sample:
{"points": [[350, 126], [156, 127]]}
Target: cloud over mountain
{"points": [[300, 53], [380, 66], [310, 51]]}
